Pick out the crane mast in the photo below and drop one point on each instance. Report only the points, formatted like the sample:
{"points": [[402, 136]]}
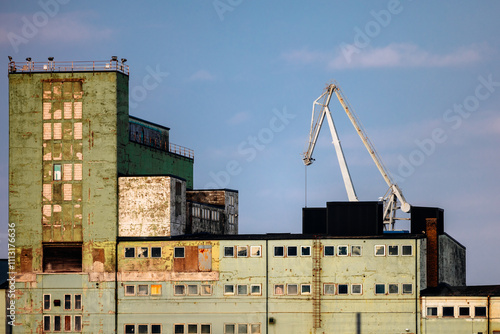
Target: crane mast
{"points": [[393, 199]]}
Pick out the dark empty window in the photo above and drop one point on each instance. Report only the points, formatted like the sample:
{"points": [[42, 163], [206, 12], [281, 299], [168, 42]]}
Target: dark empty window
{"points": [[46, 323], [407, 250], [155, 251], [228, 251], [380, 289], [480, 311], [46, 302], [291, 250], [448, 311], [179, 252], [129, 251], [343, 289], [143, 329], [155, 329], [329, 250], [179, 329], [57, 323], [463, 311], [279, 251], [432, 311], [306, 250], [62, 258], [67, 302], [78, 302], [129, 329]]}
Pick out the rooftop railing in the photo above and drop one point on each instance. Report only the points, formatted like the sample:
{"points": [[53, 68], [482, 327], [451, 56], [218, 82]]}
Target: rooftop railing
{"points": [[181, 150], [68, 66]]}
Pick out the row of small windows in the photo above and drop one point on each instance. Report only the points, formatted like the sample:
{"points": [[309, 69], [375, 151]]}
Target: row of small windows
{"points": [[357, 289], [143, 252], [451, 312], [57, 323], [241, 328], [292, 289], [71, 302], [205, 213], [242, 289]]}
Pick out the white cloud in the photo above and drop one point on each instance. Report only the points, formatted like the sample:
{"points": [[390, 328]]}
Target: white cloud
{"points": [[392, 55], [202, 75]]}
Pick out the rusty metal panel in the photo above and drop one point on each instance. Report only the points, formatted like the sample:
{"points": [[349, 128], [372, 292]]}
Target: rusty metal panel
{"points": [[26, 260], [205, 258], [189, 262]]}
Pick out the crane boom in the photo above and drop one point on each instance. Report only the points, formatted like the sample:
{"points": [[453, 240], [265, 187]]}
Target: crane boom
{"points": [[393, 199], [320, 110]]}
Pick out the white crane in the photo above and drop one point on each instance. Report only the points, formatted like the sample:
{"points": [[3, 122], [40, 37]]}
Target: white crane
{"points": [[393, 199]]}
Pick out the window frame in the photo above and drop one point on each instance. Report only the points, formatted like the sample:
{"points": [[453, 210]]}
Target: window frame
{"points": [[125, 290], [125, 252], [360, 250], [49, 301], [227, 248], [460, 315], [139, 290], [47, 323], [329, 285], [403, 250], [302, 286], [346, 289], [75, 301], [480, 307], [178, 248], [68, 302], [282, 251], [288, 286], [234, 331], [183, 288], [392, 285], [201, 328], [302, 248], [448, 308], [59, 323], [380, 286], [183, 328], [242, 249], [202, 290], [396, 247], [329, 247], [407, 285], [157, 286], [431, 308], [142, 325], [255, 286], [161, 329], [226, 292], [288, 251], [259, 250], [360, 289], [380, 247], [238, 289], [80, 322], [345, 247], [282, 287], [142, 252], [189, 287], [156, 248]]}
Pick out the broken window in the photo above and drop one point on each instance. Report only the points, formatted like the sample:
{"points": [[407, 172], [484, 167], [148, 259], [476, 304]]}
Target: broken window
{"points": [[432, 311], [393, 250], [355, 250], [329, 289], [129, 251], [291, 251], [142, 290], [46, 302], [57, 172], [343, 289], [407, 250], [329, 250], [380, 250], [342, 251], [242, 289], [228, 251], [393, 288], [356, 289], [255, 328], [448, 311], [228, 289], [155, 251], [305, 250], [206, 289], [480, 311], [142, 252], [380, 289], [255, 251], [179, 290], [279, 251], [407, 289], [292, 289], [62, 258], [305, 289], [279, 289], [242, 251], [178, 252]]}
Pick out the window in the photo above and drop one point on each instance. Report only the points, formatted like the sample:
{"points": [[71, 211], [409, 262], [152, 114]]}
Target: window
{"points": [[393, 250], [228, 251], [242, 328], [305, 250], [179, 290], [279, 289], [67, 323], [178, 329], [57, 172], [192, 289], [255, 289], [343, 289], [432, 311], [255, 329], [356, 289], [155, 289], [380, 289], [393, 288], [46, 322], [229, 329], [305, 289], [464, 311], [329, 250], [142, 290], [129, 251], [67, 302], [155, 329], [142, 329], [480, 311], [129, 290], [46, 302], [206, 329], [57, 323], [279, 251], [380, 250], [292, 289], [78, 302], [242, 289], [355, 250], [448, 311], [155, 251], [255, 251], [291, 251], [206, 289], [329, 289], [129, 329], [407, 250], [242, 251], [142, 252], [178, 252], [192, 329], [342, 251], [407, 289], [78, 323], [228, 289]]}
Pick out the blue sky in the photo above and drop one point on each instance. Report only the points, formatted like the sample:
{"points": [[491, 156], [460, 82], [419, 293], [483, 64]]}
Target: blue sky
{"points": [[235, 81]]}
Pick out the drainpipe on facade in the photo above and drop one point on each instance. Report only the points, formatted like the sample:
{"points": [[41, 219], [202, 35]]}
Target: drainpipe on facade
{"points": [[116, 285], [417, 293], [489, 297], [267, 287]]}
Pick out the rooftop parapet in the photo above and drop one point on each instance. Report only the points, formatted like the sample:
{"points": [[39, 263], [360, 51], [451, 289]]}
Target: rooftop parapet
{"points": [[68, 66]]}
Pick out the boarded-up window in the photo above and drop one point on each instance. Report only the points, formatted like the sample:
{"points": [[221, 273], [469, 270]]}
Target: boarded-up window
{"points": [[78, 131], [196, 258], [77, 107], [62, 258], [47, 131], [78, 172], [68, 110]]}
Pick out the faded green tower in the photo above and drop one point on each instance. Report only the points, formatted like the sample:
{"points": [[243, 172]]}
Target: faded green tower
{"points": [[69, 141]]}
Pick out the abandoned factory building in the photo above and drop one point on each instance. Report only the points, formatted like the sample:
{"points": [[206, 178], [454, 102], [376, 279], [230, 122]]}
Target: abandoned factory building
{"points": [[112, 236]]}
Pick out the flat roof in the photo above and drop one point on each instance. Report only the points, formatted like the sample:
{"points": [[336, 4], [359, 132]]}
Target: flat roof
{"points": [[446, 290]]}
